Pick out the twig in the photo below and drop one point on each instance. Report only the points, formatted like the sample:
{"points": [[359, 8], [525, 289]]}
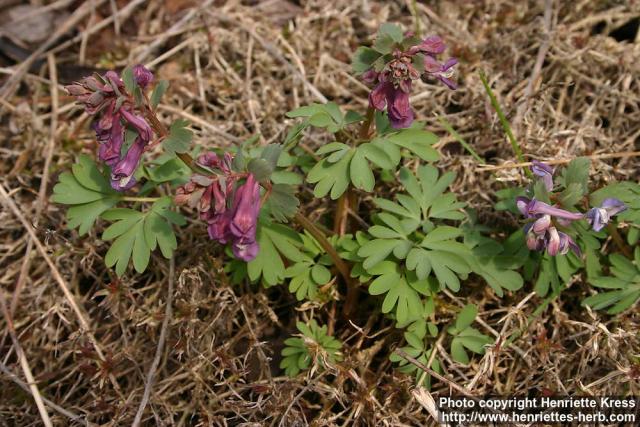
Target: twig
{"points": [[7, 201], [197, 120], [160, 349], [11, 84], [166, 34], [42, 193], [270, 48], [72, 416], [537, 67], [562, 161], [33, 387], [436, 375]]}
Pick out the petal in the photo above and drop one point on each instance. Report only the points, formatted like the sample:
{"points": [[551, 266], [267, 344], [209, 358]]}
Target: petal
{"points": [[129, 163], [246, 251], [613, 206], [378, 96], [399, 110], [538, 207], [433, 45], [541, 224], [553, 241]]}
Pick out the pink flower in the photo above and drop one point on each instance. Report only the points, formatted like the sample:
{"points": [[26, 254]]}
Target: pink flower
{"points": [[397, 102], [392, 85], [142, 76]]}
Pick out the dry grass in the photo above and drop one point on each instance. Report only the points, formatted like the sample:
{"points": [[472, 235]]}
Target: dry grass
{"points": [[235, 68]]}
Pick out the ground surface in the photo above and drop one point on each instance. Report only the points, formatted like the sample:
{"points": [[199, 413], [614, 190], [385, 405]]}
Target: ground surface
{"points": [[566, 72]]}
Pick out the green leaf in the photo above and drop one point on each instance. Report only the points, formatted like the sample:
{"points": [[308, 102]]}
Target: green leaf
{"points": [[260, 168], [88, 190], [282, 203], [377, 155], [466, 317], [330, 177], [399, 295], [320, 274], [84, 216], [361, 174], [171, 170], [470, 339], [571, 195], [135, 234], [271, 153], [363, 59], [457, 352], [128, 80], [388, 35], [315, 346], [576, 172], [276, 242], [179, 139], [419, 142], [158, 92], [624, 286]]}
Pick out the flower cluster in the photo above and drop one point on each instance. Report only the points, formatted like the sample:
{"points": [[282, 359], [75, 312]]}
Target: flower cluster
{"points": [[542, 233], [393, 82], [106, 98], [231, 209]]}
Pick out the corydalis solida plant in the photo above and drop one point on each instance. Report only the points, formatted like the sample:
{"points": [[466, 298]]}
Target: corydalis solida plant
{"points": [[114, 110], [231, 209], [394, 62], [226, 192], [543, 231]]}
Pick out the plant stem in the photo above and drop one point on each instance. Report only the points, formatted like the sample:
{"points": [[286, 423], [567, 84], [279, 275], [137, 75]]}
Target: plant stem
{"points": [[347, 200], [617, 239], [504, 122], [140, 199], [342, 266], [366, 125]]}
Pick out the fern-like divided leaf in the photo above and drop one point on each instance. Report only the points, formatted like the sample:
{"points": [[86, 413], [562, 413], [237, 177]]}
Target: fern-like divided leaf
{"points": [[343, 164], [136, 234], [416, 336], [88, 191], [277, 242], [314, 345], [465, 337], [412, 250], [307, 275], [621, 290]]}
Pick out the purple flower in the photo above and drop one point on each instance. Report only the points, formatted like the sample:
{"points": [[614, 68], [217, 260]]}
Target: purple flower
{"points": [[533, 208], [110, 136], [432, 45], [122, 172], [566, 243], [139, 123], [542, 234], [442, 72], [545, 172], [93, 92], [246, 207], [397, 103], [231, 210], [142, 76], [599, 217], [219, 227], [392, 85]]}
